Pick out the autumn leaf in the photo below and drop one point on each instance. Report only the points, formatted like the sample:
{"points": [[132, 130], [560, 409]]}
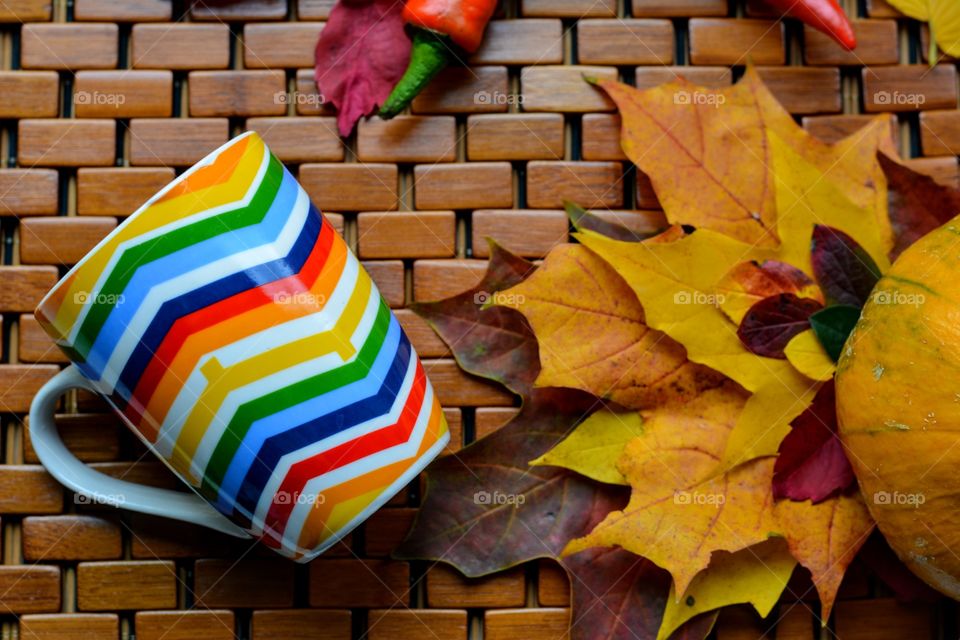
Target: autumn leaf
{"points": [[491, 342], [812, 464], [675, 282], [574, 296], [918, 204], [680, 511], [808, 356], [582, 219], [833, 325], [595, 446], [756, 575], [362, 52], [766, 418], [681, 535], [750, 282], [485, 509], [825, 538], [661, 460], [771, 323], [944, 19], [851, 167], [620, 596], [704, 151], [806, 197], [845, 272], [708, 154]]}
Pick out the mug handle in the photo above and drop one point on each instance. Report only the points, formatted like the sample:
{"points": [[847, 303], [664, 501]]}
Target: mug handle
{"points": [[99, 487]]}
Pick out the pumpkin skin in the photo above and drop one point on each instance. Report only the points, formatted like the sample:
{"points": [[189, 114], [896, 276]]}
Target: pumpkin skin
{"points": [[898, 406]]}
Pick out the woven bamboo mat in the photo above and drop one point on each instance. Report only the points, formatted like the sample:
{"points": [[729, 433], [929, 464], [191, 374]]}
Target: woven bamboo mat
{"points": [[103, 101]]}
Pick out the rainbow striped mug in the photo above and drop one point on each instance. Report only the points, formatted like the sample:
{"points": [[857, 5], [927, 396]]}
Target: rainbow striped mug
{"points": [[231, 328]]}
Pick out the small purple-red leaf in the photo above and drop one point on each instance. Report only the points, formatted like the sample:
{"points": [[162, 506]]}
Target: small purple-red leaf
{"points": [[812, 464], [363, 51], [918, 204], [771, 323], [845, 272]]}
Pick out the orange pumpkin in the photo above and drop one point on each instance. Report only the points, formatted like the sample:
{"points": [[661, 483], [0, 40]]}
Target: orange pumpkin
{"points": [[898, 405]]}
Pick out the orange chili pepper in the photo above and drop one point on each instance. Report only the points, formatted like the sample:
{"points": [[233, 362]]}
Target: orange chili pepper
{"points": [[441, 27]]}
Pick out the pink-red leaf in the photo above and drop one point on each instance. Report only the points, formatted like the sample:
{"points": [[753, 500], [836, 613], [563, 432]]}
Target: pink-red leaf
{"points": [[363, 51], [844, 270], [812, 464], [918, 204], [771, 323], [620, 596]]}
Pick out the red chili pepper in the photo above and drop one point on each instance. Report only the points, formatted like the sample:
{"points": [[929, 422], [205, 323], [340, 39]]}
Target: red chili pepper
{"points": [[462, 20], [441, 26], [822, 15]]}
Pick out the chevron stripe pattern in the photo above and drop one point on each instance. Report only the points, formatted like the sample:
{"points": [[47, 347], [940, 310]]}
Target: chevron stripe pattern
{"points": [[237, 335]]}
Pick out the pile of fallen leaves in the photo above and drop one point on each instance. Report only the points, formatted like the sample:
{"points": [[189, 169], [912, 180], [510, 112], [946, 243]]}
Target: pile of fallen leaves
{"points": [[676, 448]]}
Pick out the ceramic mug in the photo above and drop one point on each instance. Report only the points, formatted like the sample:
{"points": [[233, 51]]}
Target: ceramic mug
{"points": [[231, 328]]}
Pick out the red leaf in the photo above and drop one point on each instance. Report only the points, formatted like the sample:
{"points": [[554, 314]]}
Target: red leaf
{"points": [[770, 278], [812, 464], [845, 272], [771, 323], [918, 204], [363, 51]]}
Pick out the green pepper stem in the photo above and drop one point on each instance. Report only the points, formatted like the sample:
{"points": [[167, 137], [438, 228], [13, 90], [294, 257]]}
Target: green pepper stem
{"points": [[429, 55]]}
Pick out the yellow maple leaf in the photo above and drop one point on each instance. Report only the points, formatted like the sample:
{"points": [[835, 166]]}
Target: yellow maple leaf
{"points": [[766, 417], [682, 541], [825, 538], [707, 153], [756, 575], [851, 164], [595, 445], [592, 335], [680, 511], [681, 136], [807, 196], [676, 284]]}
